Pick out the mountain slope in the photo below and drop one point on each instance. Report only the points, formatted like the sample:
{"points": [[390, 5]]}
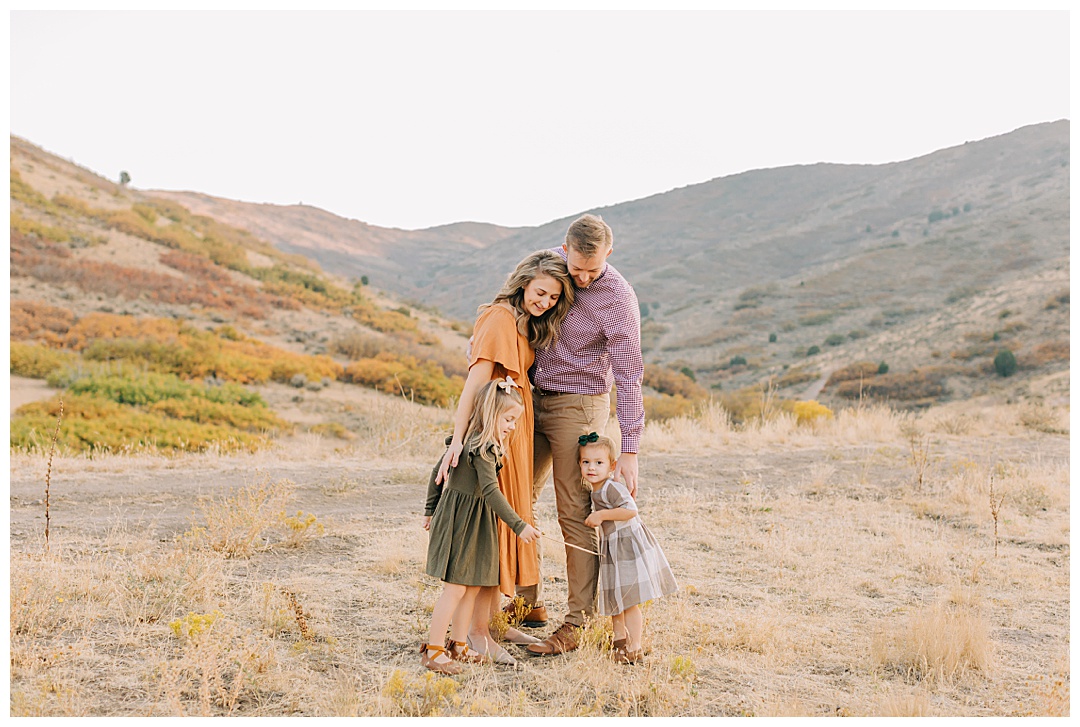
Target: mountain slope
{"points": [[930, 265], [401, 261]]}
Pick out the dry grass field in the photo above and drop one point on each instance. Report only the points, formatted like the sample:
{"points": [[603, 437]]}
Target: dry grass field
{"points": [[872, 564]]}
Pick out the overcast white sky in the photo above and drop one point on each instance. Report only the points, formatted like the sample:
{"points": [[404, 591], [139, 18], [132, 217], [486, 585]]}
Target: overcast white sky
{"points": [[420, 118]]}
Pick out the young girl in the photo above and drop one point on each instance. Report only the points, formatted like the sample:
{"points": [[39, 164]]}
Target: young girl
{"points": [[460, 514], [633, 568]]}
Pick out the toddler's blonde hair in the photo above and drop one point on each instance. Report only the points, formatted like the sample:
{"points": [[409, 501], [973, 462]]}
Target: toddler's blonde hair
{"points": [[601, 441]]}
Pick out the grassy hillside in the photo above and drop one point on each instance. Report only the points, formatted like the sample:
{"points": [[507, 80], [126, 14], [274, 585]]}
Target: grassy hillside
{"points": [[802, 289], [937, 263], [787, 278], [109, 284]]}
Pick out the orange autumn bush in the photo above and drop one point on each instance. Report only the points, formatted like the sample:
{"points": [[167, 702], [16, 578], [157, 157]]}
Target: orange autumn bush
{"points": [[31, 320], [423, 381]]}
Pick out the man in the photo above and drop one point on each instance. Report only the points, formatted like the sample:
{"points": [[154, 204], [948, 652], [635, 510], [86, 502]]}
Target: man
{"points": [[599, 342]]}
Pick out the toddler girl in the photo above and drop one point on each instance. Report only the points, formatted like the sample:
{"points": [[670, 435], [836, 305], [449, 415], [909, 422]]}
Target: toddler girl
{"points": [[460, 514], [633, 568]]}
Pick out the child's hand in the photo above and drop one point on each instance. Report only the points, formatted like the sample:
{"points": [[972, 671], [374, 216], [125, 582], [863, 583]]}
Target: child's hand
{"points": [[449, 460], [427, 522], [594, 520], [529, 534]]}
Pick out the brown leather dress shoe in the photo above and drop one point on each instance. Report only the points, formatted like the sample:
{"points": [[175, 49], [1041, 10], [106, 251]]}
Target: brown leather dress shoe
{"points": [[563, 640], [521, 614]]}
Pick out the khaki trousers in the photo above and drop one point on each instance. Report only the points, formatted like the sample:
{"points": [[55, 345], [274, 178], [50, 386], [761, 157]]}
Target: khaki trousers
{"points": [[559, 420]]}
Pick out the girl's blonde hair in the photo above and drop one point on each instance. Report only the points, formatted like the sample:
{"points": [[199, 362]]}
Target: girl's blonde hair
{"points": [[493, 399], [600, 441], [543, 330]]}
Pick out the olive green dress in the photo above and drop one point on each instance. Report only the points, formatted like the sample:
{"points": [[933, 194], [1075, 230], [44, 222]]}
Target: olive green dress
{"points": [[463, 545]]}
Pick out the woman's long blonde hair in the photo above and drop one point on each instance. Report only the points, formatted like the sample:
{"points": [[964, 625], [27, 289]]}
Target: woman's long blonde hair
{"points": [[494, 397], [541, 331]]}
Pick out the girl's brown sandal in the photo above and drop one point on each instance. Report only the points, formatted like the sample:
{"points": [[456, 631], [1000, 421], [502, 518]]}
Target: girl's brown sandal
{"points": [[460, 651], [446, 667], [621, 655]]}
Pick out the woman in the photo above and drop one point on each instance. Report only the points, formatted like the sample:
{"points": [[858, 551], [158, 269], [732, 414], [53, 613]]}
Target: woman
{"points": [[525, 315]]}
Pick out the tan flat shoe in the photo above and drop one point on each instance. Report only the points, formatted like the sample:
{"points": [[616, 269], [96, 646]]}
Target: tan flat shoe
{"points": [[500, 656], [517, 637]]}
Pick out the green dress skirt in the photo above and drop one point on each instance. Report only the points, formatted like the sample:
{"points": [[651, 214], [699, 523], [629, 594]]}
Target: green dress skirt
{"points": [[463, 544]]}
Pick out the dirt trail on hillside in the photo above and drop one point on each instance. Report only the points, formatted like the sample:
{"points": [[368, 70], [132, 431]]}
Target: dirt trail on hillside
{"points": [[24, 391]]}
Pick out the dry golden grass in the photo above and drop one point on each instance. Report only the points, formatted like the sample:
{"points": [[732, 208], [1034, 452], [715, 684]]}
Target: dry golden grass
{"points": [[815, 577]]}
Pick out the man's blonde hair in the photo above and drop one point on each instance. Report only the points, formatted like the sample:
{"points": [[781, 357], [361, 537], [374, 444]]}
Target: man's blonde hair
{"points": [[588, 235]]}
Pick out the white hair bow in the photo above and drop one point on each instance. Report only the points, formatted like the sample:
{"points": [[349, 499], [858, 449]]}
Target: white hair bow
{"points": [[508, 384]]}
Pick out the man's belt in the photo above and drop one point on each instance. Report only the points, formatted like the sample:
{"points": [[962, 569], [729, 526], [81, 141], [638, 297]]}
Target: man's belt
{"points": [[546, 392]]}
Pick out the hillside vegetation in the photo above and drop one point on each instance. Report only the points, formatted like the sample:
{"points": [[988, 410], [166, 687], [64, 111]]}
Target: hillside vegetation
{"points": [[926, 269], [856, 452], [111, 285]]}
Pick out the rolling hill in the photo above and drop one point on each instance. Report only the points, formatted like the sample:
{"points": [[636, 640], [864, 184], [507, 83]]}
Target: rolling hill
{"points": [[934, 263]]}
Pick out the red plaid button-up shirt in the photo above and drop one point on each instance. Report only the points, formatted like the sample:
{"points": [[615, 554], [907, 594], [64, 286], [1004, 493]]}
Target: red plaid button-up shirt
{"points": [[600, 343]]}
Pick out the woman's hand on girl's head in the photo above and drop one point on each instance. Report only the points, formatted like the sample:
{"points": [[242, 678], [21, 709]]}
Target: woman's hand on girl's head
{"points": [[449, 460], [529, 534]]}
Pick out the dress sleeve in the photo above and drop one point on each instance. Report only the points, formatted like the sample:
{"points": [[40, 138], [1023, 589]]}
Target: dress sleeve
{"points": [[434, 492], [489, 490], [620, 496], [495, 339]]}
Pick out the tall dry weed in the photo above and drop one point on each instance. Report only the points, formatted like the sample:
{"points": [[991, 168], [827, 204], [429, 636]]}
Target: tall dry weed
{"points": [[938, 645], [219, 665], [904, 704], [709, 427], [864, 423], [237, 525]]}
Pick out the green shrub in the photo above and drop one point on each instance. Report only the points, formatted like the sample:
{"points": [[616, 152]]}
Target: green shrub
{"points": [[813, 351], [835, 339], [94, 424], [113, 407], [1005, 363], [38, 362], [883, 368], [737, 361], [772, 338]]}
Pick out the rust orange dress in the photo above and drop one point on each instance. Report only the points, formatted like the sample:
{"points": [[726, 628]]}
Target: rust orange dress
{"points": [[497, 339]]}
